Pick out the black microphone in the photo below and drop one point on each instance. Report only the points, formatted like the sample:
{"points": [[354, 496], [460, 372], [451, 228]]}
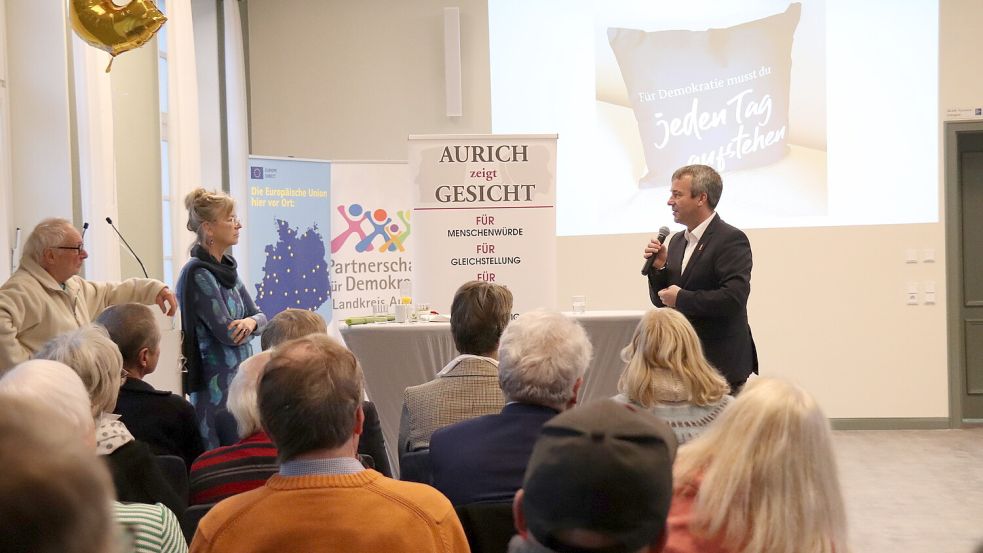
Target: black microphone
{"points": [[664, 233], [133, 253], [85, 227]]}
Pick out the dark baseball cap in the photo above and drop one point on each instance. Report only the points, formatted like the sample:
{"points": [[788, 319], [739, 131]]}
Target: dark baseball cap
{"points": [[605, 467]]}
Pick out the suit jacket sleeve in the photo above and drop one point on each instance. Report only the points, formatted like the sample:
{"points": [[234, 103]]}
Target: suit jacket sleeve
{"points": [[732, 267]]}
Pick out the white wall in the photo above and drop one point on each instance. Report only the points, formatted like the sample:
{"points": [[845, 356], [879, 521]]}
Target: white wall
{"points": [[206, 64], [40, 126], [136, 113], [7, 233], [350, 80]]}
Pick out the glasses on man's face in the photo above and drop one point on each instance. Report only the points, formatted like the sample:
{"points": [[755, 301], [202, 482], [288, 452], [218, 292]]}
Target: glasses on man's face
{"points": [[78, 249]]}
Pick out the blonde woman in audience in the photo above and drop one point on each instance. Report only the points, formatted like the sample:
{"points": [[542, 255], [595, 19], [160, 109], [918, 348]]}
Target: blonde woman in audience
{"points": [[667, 374], [63, 496], [95, 358], [762, 479]]}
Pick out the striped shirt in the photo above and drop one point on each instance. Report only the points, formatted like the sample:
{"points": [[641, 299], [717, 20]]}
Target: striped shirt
{"points": [[233, 469], [150, 528]]}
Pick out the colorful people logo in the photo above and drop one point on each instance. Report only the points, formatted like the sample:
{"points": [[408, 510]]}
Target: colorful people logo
{"points": [[382, 227]]}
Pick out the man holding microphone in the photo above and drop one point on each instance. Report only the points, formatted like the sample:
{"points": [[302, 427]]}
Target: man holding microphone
{"points": [[705, 273]]}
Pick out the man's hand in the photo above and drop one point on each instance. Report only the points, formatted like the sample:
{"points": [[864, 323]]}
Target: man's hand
{"points": [[167, 301], [668, 295], [241, 329], [656, 253]]}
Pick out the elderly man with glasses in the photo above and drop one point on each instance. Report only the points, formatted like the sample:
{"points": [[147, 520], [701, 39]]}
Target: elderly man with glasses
{"points": [[46, 297]]}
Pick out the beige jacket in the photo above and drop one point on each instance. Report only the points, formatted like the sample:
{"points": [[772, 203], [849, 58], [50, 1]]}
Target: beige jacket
{"points": [[467, 390], [34, 308]]}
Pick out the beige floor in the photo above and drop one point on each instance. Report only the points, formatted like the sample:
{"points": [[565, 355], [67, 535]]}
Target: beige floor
{"points": [[913, 491]]}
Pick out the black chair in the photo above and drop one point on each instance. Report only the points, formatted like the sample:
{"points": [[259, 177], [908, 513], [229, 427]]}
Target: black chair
{"points": [[487, 525], [415, 467], [176, 474], [194, 514]]}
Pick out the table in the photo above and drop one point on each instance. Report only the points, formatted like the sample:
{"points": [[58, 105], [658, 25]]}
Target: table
{"points": [[395, 356]]}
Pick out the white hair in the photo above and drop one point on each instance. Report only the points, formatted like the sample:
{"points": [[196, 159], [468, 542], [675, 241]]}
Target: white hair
{"points": [[540, 356], [242, 402], [48, 234], [55, 385], [95, 358], [766, 475]]}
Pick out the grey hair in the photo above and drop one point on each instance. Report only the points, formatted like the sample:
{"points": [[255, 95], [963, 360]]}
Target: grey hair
{"points": [[132, 327], [540, 357], [706, 180], [55, 385], [95, 358], [242, 402], [47, 234]]}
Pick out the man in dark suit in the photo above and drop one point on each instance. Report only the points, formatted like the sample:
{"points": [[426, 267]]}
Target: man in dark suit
{"points": [[705, 273], [542, 359]]}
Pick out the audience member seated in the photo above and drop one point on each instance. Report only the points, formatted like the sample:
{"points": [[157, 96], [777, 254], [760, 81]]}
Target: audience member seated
{"points": [[600, 479], [140, 528], [542, 360], [165, 421], [45, 296], [246, 465], [97, 361], [762, 478], [468, 386], [668, 374], [55, 496], [297, 323], [310, 402]]}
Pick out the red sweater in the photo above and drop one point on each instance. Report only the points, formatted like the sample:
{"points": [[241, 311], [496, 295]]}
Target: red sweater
{"points": [[233, 469]]}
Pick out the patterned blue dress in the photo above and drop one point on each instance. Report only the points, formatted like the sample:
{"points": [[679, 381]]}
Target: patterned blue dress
{"points": [[216, 307]]}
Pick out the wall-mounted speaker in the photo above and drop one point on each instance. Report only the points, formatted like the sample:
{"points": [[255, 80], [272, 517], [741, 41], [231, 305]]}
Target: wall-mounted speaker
{"points": [[452, 62]]}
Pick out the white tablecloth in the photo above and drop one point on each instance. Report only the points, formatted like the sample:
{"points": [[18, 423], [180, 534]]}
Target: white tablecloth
{"points": [[395, 356]]}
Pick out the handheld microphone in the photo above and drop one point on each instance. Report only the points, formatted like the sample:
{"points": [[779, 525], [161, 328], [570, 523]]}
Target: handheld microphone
{"points": [[664, 233], [133, 253], [85, 227]]}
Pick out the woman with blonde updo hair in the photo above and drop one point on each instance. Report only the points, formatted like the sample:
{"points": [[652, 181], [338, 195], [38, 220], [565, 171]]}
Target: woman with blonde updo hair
{"points": [[217, 313], [667, 374]]}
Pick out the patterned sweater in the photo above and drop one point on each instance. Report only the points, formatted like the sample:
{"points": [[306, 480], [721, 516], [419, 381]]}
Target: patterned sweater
{"points": [[687, 420]]}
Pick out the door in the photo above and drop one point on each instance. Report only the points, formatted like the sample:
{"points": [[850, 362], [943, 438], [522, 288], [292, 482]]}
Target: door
{"points": [[964, 168]]}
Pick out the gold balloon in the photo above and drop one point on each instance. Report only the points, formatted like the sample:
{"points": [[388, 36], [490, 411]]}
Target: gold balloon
{"points": [[115, 29]]}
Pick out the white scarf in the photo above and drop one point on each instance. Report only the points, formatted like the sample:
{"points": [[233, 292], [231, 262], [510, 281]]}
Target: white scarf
{"points": [[111, 434]]}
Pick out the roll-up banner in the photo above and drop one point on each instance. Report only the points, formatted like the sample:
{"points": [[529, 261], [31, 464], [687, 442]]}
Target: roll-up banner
{"points": [[484, 210], [288, 225], [372, 235]]}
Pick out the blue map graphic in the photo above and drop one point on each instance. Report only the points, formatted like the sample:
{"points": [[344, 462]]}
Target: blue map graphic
{"points": [[295, 273]]}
